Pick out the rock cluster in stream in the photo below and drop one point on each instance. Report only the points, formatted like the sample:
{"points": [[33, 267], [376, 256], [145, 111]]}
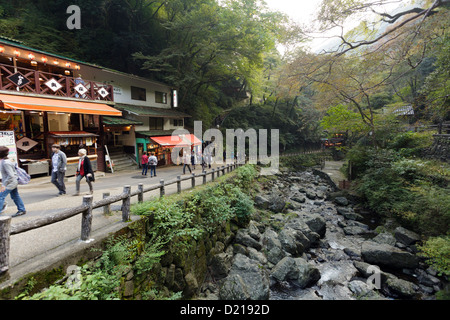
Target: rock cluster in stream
{"points": [[309, 242]]}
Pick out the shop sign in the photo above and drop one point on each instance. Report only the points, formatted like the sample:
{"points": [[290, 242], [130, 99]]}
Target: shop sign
{"points": [[80, 88], [18, 79], [103, 92], [26, 144], [53, 85], [8, 139]]}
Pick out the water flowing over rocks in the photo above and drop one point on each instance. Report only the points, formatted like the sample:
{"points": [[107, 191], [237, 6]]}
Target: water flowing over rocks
{"points": [[310, 241]]}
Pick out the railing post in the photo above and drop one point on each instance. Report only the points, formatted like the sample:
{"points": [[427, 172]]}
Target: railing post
{"points": [[5, 228], [178, 184], [161, 188], [86, 219], [141, 192], [212, 174], [193, 180], [223, 170], [204, 176], [218, 172], [106, 208], [126, 203]]}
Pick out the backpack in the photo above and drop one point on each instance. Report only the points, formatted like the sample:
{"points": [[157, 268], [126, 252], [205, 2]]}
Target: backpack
{"points": [[22, 176]]}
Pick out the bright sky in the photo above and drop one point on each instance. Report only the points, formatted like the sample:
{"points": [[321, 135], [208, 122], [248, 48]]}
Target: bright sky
{"points": [[299, 10]]}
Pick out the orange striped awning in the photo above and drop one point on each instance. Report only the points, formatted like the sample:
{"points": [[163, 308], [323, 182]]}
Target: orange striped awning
{"points": [[177, 140], [19, 102]]}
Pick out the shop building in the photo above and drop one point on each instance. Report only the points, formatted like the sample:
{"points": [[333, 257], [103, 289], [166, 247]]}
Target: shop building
{"points": [[46, 98]]}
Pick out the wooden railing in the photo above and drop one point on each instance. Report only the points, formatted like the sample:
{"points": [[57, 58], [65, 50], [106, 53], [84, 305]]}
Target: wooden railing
{"points": [[87, 206], [37, 80]]}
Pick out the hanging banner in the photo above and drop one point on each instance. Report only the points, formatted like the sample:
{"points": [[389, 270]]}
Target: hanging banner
{"points": [[8, 139]]}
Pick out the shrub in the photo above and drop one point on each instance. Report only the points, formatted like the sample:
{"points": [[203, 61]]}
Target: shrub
{"points": [[437, 252]]}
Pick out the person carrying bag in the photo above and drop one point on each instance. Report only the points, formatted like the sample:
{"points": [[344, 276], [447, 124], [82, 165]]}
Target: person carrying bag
{"points": [[84, 170], [9, 183]]}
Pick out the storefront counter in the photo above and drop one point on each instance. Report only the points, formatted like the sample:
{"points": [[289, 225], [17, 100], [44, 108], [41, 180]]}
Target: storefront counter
{"points": [[34, 167]]}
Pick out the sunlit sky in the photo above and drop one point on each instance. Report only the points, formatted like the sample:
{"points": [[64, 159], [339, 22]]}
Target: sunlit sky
{"points": [[304, 12], [299, 10]]}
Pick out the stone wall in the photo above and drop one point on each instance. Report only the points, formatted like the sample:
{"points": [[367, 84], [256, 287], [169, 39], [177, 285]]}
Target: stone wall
{"points": [[440, 150], [180, 271]]}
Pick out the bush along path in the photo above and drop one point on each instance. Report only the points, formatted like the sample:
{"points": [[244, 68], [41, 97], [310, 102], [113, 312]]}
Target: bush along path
{"points": [[308, 241]]}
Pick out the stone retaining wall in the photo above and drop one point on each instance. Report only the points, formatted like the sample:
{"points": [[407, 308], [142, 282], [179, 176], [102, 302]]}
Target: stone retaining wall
{"points": [[440, 149]]}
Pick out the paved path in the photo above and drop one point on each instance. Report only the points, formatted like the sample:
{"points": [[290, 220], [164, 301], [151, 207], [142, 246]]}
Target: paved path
{"points": [[332, 168]]}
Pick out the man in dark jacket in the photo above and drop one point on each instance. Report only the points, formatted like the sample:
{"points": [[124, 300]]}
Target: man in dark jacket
{"points": [[84, 170]]}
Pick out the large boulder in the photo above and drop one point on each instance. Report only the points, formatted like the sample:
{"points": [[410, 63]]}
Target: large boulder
{"points": [[297, 270], [246, 280], [305, 274], [386, 255], [243, 237], [406, 236], [289, 243]]}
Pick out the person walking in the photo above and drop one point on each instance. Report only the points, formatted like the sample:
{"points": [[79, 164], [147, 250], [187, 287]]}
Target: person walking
{"points": [[186, 161], [193, 160], [84, 170], [59, 167], [153, 162], [9, 183], [144, 162]]}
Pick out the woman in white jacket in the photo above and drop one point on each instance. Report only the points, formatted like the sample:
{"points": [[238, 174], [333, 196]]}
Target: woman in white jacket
{"points": [[9, 183]]}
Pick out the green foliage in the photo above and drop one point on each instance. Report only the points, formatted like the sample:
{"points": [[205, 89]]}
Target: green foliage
{"points": [[303, 160], [411, 144], [172, 224], [298, 127], [245, 176], [437, 252], [413, 190]]}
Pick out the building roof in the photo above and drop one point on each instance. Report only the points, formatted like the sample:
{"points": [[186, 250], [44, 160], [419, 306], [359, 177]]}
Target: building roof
{"points": [[404, 111], [151, 111], [155, 133], [120, 122], [20, 44]]}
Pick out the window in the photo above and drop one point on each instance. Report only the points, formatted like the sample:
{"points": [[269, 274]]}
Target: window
{"points": [[160, 97], [156, 123], [138, 94], [177, 122]]}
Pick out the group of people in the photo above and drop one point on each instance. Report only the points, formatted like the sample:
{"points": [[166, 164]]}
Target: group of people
{"points": [[147, 162], [10, 184]]}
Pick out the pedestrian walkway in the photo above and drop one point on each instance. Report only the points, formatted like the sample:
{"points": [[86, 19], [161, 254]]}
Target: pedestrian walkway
{"points": [[43, 247], [332, 168]]}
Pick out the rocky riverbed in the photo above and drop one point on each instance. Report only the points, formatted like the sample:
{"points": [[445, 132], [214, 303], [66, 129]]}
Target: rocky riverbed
{"points": [[307, 241]]}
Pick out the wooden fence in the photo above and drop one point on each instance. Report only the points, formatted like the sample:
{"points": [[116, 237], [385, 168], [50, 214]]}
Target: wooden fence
{"points": [[88, 205]]}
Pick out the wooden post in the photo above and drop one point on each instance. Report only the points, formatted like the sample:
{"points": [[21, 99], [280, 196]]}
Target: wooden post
{"points": [[106, 208], [141, 192], [126, 203], [5, 227], [212, 174], [178, 184], [161, 188], [86, 219], [218, 172], [204, 176], [223, 170], [193, 180]]}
